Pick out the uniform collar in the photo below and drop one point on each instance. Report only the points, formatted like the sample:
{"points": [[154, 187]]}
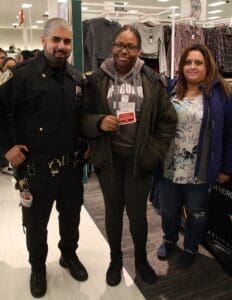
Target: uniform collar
{"points": [[45, 70]]}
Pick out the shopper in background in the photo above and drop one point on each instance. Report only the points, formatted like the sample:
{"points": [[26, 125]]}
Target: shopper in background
{"points": [[8, 63], [35, 52], [24, 55], [40, 110], [136, 122], [200, 154], [3, 54]]}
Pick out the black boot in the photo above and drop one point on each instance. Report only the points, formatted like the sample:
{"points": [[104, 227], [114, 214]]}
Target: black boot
{"points": [[114, 273], [146, 272], [38, 284], [76, 268]]}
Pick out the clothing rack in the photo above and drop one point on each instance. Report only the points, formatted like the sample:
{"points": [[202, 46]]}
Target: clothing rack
{"points": [[192, 21], [147, 11]]}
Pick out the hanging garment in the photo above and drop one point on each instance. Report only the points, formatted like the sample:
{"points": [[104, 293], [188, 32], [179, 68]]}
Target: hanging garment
{"points": [[98, 35], [153, 43]]}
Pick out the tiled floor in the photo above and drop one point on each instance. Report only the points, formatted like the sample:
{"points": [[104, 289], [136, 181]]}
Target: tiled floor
{"points": [[93, 252]]}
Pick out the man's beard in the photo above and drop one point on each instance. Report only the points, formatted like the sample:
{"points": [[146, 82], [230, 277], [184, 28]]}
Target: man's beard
{"points": [[56, 61]]}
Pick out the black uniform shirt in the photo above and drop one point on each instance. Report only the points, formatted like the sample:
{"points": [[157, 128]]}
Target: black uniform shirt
{"points": [[41, 108]]}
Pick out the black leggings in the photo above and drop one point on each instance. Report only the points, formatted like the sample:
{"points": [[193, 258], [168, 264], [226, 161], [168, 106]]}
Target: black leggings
{"points": [[132, 194]]}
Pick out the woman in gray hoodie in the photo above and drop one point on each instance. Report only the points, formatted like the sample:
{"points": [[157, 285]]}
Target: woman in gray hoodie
{"points": [[135, 123]]}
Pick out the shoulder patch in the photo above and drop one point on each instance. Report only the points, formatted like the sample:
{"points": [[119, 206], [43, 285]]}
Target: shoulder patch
{"points": [[88, 73], [7, 75]]}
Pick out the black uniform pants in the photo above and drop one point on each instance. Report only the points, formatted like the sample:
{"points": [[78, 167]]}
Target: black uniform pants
{"points": [[132, 194], [67, 189]]}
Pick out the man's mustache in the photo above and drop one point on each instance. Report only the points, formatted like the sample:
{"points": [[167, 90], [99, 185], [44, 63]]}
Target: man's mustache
{"points": [[60, 51]]}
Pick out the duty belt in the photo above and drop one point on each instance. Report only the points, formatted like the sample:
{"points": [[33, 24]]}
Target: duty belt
{"points": [[54, 164]]}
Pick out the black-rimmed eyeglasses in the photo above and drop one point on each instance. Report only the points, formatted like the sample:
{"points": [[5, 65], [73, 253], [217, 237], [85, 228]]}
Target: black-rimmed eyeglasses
{"points": [[130, 48]]}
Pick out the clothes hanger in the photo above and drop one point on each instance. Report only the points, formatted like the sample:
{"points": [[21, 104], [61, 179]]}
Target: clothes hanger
{"points": [[149, 19]]}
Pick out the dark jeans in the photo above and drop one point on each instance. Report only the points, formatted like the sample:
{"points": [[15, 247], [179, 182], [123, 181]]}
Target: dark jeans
{"points": [[195, 198], [66, 187], [131, 193]]}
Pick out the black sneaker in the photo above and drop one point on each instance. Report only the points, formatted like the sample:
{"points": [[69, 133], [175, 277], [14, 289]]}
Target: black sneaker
{"points": [[38, 284], [114, 273], [76, 268], [186, 259], [146, 272], [165, 249]]}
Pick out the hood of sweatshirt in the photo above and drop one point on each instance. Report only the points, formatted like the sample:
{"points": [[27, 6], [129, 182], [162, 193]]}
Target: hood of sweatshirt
{"points": [[109, 68], [127, 88]]}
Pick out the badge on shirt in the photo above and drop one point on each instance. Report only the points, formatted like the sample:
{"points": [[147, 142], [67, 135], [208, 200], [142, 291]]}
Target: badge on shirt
{"points": [[126, 113], [78, 90]]}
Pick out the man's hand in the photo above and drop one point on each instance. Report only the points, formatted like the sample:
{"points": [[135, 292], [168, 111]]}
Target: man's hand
{"points": [[109, 123], [223, 178], [87, 152], [15, 155]]}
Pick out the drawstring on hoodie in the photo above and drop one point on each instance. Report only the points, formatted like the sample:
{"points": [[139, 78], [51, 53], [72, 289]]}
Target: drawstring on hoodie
{"points": [[138, 100]]}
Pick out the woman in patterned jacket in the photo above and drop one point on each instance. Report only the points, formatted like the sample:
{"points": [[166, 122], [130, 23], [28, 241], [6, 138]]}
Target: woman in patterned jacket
{"points": [[200, 154]]}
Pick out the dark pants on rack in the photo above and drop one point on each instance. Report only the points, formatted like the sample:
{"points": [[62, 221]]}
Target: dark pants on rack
{"points": [[127, 192], [67, 189]]}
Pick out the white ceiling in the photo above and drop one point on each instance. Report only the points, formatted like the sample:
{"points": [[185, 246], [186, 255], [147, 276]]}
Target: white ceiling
{"points": [[9, 9]]}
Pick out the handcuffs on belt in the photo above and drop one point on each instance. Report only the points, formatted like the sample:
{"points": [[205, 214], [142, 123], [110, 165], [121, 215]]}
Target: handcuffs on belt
{"points": [[54, 166]]}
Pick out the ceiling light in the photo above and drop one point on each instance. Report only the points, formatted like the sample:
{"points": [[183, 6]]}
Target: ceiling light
{"points": [[132, 11], [215, 11], [176, 15], [163, 0], [84, 8], [217, 3], [174, 7], [26, 5], [213, 18], [34, 26], [46, 14], [39, 21], [15, 24], [62, 1]]}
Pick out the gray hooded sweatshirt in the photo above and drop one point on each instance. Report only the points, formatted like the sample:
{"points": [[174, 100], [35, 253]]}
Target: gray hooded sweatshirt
{"points": [[124, 89]]}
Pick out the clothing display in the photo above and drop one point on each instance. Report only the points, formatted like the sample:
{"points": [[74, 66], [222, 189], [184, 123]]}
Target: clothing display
{"points": [[220, 41], [96, 48], [156, 48], [152, 36], [186, 35]]}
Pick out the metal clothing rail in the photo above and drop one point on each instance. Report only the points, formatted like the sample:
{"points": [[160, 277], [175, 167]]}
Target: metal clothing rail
{"points": [[147, 12]]}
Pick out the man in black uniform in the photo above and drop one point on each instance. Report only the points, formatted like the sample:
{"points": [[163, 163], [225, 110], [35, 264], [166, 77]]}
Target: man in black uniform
{"points": [[40, 111]]}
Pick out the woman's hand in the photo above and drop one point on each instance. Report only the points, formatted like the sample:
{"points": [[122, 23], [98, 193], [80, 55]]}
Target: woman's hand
{"points": [[223, 178], [109, 123]]}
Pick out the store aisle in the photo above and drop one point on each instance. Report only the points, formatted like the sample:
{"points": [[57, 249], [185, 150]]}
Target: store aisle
{"points": [[93, 252]]}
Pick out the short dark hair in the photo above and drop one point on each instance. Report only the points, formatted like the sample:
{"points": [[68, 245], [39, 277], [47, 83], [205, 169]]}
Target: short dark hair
{"points": [[56, 22], [3, 51], [26, 54], [133, 30], [35, 52]]}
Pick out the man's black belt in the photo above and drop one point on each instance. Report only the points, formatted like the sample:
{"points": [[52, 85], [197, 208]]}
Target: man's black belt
{"points": [[35, 163]]}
